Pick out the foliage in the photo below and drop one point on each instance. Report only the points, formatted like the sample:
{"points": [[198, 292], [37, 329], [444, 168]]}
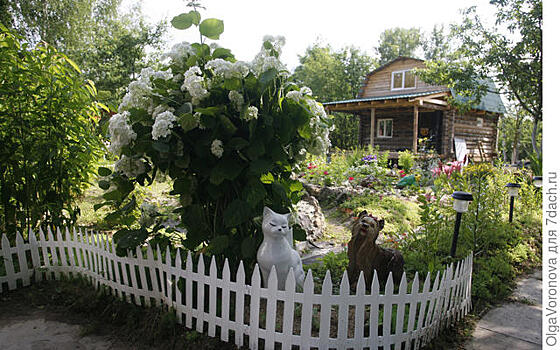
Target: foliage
{"points": [[117, 53], [333, 76], [515, 133], [228, 134], [406, 160], [47, 133], [65, 24], [500, 249], [110, 47], [397, 42], [436, 45], [514, 60], [401, 215], [336, 263], [347, 167]]}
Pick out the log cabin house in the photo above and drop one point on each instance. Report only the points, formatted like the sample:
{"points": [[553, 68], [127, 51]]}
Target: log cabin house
{"points": [[396, 109]]}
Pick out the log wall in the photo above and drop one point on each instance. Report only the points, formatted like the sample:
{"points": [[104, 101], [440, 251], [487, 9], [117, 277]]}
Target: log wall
{"points": [[379, 83], [466, 127], [453, 125]]}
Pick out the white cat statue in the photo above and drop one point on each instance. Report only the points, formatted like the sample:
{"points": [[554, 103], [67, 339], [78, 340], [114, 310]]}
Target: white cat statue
{"points": [[277, 250]]}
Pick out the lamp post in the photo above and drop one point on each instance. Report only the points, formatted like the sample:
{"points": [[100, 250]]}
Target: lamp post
{"points": [[460, 204], [513, 191], [537, 181]]}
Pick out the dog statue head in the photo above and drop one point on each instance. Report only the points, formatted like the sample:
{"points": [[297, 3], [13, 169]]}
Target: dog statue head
{"points": [[367, 225]]}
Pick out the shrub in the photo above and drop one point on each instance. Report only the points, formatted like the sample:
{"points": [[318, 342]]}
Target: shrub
{"points": [[228, 133], [501, 250], [406, 160], [47, 133]]}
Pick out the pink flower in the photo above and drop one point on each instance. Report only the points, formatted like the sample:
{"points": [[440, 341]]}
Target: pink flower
{"points": [[325, 173], [436, 172], [351, 178]]}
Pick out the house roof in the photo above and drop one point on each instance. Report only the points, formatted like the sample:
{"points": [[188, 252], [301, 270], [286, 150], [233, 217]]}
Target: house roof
{"points": [[491, 102], [386, 97]]}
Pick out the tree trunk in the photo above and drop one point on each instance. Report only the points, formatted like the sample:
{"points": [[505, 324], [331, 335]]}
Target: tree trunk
{"points": [[536, 148]]}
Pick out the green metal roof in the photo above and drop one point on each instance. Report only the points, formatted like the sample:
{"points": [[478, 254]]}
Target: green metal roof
{"points": [[386, 97], [491, 102]]}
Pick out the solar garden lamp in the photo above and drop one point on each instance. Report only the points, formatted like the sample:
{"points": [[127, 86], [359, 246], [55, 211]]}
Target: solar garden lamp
{"points": [[537, 181], [461, 205], [513, 191]]}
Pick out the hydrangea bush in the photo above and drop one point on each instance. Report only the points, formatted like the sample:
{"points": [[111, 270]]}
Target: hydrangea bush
{"points": [[229, 135]]}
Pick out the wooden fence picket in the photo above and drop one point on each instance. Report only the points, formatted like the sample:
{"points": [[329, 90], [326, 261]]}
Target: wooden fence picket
{"points": [[254, 308], [226, 283], [35, 259], [419, 315], [240, 288], [22, 260]]}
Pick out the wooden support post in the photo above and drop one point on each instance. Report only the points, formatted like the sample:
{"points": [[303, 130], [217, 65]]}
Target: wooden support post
{"points": [[372, 127], [415, 131]]}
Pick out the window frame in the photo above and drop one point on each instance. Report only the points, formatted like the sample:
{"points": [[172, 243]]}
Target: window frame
{"points": [[403, 80], [384, 121]]}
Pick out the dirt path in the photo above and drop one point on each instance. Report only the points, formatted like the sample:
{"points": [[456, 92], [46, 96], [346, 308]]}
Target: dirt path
{"points": [[32, 329]]}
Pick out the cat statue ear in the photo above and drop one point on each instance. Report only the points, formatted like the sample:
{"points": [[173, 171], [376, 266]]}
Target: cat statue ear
{"points": [[267, 212]]}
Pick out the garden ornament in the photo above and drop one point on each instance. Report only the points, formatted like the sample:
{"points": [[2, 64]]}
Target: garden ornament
{"points": [[277, 250], [365, 255]]}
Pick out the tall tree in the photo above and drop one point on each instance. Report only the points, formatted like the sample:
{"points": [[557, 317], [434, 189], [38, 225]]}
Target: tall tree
{"points": [[436, 44], [510, 52], [110, 48], [397, 42], [119, 52], [335, 75]]}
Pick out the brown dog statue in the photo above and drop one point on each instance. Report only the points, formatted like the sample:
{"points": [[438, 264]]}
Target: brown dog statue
{"points": [[365, 255]]}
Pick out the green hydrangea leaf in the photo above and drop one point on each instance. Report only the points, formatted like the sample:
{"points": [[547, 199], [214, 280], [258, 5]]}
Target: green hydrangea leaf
{"points": [[212, 28]]}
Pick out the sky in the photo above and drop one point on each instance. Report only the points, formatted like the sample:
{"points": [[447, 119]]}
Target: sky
{"points": [[304, 22]]}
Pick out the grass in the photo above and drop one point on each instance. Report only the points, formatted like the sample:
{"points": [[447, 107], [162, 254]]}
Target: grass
{"points": [[157, 193], [401, 215]]}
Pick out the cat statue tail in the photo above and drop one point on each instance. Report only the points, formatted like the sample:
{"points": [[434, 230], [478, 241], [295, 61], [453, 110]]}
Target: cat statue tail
{"points": [[299, 274], [290, 238]]}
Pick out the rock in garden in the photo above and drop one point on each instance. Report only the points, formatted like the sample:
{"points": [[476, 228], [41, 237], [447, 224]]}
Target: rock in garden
{"points": [[310, 217]]}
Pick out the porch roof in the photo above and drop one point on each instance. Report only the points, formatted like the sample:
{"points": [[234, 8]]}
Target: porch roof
{"points": [[385, 97]]}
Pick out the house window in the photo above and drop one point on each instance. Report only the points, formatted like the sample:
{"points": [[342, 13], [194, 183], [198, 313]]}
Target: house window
{"points": [[385, 128], [404, 79], [479, 122]]}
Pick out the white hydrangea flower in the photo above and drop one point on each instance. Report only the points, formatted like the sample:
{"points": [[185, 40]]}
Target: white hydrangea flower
{"points": [[163, 74], [130, 167], [294, 95], [241, 68], [306, 91], [227, 70], [277, 42], [146, 74], [137, 95], [194, 84], [220, 67], [163, 125], [237, 99], [197, 117], [217, 148], [179, 52], [160, 109], [120, 132], [263, 63], [252, 113], [264, 60]]}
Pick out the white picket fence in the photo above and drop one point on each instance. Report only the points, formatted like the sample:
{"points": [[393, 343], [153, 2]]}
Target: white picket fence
{"points": [[225, 306]]}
